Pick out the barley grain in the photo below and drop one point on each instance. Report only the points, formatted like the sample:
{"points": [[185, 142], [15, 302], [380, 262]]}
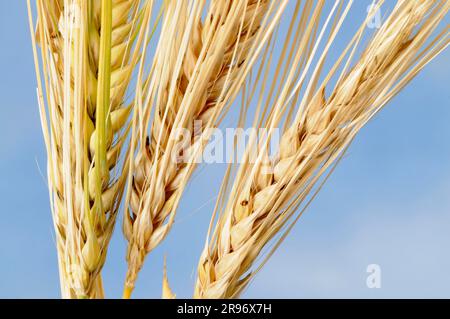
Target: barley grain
{"points": [[88, 52], [215, 56], [263, 206]]}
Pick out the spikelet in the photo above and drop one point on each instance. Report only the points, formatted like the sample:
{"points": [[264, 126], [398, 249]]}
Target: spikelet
{"points": [[321, 131], [89, 50], [213, 56]]}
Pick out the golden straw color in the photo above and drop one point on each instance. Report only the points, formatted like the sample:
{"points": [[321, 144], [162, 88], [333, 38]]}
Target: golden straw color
{"points": [[267, 196], [88, 50], [107, 145], [198, 69]]}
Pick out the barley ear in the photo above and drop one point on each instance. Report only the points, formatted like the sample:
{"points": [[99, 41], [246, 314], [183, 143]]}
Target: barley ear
{"points": [[196, 75], [257, 211], [88, 52]]}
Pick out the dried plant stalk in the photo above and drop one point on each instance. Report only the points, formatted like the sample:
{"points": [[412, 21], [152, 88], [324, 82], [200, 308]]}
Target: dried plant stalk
{"points": [[198, 69], [263, 204], [88, 52]]}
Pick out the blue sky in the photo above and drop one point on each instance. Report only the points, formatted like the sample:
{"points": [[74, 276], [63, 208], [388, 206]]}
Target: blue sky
{"points": [[387, 203]]}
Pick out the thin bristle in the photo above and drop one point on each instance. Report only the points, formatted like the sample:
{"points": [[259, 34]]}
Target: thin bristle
{"points": [[266, 194], [197, 73], [89, 51], [107, 146]]}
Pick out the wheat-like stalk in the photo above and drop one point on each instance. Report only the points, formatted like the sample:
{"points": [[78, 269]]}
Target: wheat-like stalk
{"points": [[88, 52], [266, 194], [198, 69]]}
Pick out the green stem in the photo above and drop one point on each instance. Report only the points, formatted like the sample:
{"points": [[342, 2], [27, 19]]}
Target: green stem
{"points": [[103, 96]]}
